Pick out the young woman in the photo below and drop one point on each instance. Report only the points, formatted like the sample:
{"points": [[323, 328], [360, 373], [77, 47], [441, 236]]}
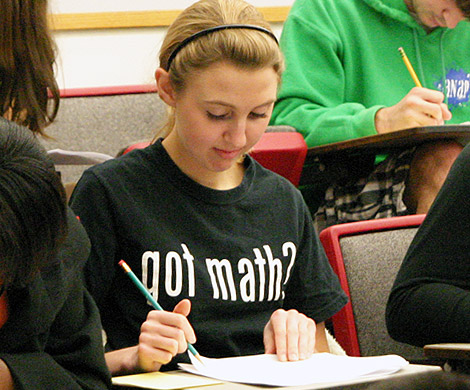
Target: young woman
{"points": [[224, 245]]}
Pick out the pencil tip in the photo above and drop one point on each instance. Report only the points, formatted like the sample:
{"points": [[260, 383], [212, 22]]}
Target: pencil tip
{"points": [[198, 357]]}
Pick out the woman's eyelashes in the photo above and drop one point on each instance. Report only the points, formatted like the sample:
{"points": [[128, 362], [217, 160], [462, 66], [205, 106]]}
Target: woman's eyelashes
{"points": [[257, 115], [226, 116], [218, 116]]}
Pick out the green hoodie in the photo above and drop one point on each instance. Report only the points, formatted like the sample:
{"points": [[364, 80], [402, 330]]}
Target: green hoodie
{"points": [[343, 65]]}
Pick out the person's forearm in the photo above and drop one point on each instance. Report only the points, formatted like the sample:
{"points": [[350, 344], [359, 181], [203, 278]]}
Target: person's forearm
{"points": [[321, 343], [122, 361], [6, 381], [125, 361], [432, 313]]}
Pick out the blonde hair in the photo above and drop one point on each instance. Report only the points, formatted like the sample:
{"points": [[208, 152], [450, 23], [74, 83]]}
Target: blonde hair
{"points": [[244, 48]]}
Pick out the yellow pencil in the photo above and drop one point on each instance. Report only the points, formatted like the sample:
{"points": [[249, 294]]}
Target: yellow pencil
{"points": [[409, 67]]}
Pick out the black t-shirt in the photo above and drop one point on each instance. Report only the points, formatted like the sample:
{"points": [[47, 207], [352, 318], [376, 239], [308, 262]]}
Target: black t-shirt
{"points": [[238, 255]]}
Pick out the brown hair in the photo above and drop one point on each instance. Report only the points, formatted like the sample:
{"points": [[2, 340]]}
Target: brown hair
{"points": [[464, 6], [27, 56], [244, 48]]}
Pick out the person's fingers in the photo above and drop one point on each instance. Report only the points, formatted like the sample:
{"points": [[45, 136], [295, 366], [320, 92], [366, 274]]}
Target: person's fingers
{"points": [[293, 335], [268, 339], [279, 326], [446, 114], [306, 337], [164, 332], [184, 308], [290, 334]]}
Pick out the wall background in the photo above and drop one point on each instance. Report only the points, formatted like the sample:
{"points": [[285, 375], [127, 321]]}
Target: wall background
{"points": [[122, 56], [74, 6]]}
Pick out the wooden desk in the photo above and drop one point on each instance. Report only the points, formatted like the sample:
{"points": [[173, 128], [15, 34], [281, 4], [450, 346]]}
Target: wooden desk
{"points": [[455, 356], [381, 143], [342, 161], [452, 351], [412, 369]]}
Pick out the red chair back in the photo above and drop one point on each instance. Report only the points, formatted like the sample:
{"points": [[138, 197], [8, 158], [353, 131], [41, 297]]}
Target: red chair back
{"points": [[367, 288], [283, 153]]}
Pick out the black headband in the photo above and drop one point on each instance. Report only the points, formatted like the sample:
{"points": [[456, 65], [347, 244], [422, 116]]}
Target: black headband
{"points": [[212, 29]]}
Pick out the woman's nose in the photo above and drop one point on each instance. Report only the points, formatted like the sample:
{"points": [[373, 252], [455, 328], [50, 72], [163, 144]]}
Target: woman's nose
{"points": [[236, 134]]}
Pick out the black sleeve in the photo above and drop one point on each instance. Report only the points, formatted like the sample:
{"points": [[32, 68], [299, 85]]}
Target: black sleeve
{"points": [[89, 201], [73, 358], [430, 299]]}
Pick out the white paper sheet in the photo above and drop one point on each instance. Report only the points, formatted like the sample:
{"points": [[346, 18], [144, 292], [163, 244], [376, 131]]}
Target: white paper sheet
{"points": [[320, 368]]}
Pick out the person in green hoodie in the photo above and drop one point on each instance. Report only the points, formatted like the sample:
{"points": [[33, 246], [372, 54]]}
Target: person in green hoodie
{"points": [[345, 79]]}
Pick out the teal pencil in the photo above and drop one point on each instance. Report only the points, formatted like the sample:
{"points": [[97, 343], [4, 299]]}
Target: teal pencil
{"points": [[152, 300]]}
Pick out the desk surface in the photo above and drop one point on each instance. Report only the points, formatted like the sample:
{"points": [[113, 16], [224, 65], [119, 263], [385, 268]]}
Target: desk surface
{"points": [[397, 139], [458, 351], [411, 369]]}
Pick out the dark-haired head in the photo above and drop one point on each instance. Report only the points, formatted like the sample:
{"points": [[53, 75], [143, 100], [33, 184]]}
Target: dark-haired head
{"points": [[32, 206]]}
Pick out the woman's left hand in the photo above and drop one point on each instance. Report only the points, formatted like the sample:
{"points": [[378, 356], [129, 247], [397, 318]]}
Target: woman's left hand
{"points": [[290, 335]]}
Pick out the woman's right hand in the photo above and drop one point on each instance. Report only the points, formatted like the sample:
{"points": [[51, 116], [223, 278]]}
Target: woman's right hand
{"points": [[163, 335]]}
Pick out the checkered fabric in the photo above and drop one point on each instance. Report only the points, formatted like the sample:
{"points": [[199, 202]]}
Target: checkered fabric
{"points": [[379, 195]]}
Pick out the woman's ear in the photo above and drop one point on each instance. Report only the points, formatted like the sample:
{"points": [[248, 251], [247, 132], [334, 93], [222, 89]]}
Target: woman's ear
{"points": [[164, 87]]}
